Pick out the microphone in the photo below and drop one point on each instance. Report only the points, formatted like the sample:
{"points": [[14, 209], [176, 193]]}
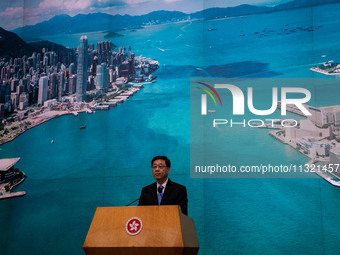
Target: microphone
{"points": [[146, 191], [160, 190]]}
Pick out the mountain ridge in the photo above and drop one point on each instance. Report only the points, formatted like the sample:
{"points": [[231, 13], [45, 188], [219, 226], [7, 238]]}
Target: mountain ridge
{"points": [[12, 46], [92, 22]]}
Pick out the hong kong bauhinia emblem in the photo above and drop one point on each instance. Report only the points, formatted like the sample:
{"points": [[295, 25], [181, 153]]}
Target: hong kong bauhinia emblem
{"points": [[134, 226]]}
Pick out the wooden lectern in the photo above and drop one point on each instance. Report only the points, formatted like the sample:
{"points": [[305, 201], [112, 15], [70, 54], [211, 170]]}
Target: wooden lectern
{"points": [[164, 230]]}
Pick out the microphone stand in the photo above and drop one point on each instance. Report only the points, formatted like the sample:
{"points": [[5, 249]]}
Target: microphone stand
{"points": [[133, 202]]}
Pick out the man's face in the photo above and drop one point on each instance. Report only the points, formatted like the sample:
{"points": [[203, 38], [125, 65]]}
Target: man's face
{"points": [[160, 171]]}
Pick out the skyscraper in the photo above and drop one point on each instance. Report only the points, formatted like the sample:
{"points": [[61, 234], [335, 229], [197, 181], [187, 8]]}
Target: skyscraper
{"points": [[43, 90], [53, 88], [71, 69], [61, 85], [102, 78], [72, 84], [82, 69]]}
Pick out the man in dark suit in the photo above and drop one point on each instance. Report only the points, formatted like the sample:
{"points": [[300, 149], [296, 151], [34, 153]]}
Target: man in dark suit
{"points": [[164, 191]]}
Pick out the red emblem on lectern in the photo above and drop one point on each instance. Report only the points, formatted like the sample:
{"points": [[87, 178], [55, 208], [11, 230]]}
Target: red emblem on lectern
{"points": [[134, 226]]}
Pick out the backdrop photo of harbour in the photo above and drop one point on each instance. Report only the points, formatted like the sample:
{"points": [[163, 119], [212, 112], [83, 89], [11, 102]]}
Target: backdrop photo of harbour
{"points": [[108, 162]]}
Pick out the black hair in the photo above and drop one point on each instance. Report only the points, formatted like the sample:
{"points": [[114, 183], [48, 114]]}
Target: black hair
{"points": [[167, 161]]}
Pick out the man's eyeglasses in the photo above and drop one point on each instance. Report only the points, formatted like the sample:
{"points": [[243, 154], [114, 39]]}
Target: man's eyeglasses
{"points": [[160, 167]]}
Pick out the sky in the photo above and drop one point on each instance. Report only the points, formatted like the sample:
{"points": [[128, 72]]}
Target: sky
{"points": [[19, 13]]}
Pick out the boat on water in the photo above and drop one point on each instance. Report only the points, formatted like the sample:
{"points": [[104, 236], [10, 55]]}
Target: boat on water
{"points": [[82, 127]]}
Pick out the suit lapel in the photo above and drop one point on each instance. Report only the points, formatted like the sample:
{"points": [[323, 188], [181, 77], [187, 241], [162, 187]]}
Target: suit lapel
{"points": [[167, 192], [154, 193]]}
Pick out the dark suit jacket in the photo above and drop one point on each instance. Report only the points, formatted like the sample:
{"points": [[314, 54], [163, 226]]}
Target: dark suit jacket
{"points": [[174, 194]]}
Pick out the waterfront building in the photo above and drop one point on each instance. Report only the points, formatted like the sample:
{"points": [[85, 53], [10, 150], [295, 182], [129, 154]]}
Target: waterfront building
{"points": [[334, 160], [320, 149], [306, 128], [7, 169], [23, 101], [146, 68], [112, 75], [102, 78], [306, 143], [50, 102], [82, 69], [120, 82], [313, 147], [325, 115], [43, 90], [138, 70]]}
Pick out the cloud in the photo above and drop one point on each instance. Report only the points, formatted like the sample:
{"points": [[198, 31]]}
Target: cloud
{"points": [[15, 12], [67, 5], [12, 17]]}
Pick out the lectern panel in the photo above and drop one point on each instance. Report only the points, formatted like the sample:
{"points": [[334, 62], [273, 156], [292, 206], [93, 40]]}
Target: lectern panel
{"points": [[160, 233]]}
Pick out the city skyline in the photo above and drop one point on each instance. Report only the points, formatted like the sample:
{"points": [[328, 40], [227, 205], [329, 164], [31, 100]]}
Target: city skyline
{"points": [[52, 82], [14, 15]]}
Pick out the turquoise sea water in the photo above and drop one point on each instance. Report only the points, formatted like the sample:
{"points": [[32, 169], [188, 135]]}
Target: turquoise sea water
{"points": [[107, 163]]}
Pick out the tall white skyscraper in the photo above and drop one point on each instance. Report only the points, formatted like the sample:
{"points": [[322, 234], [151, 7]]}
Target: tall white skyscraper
{"points": [[82, 69], [43, 90], [102, 78]]}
